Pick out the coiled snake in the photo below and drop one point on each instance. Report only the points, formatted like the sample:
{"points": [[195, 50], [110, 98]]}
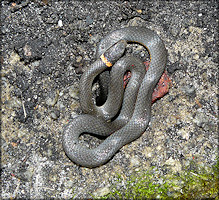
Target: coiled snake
{"points": [[133, 108]]}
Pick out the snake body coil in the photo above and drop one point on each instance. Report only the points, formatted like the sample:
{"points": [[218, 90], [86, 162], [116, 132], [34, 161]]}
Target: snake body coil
{"points": [[133, 107]]}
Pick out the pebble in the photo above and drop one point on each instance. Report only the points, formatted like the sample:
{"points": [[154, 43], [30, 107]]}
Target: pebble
{"points": [[201, 119], [74, 91], [60, 105], [14, 58], [196, 56], [74, 105], [78, 59], [36, 63], [89, 20], [175, 164], [135, 21], [60, 24], [55, 114], [184, 133], [175, 30], [189, 90], [52, 99], [94, 39], [4, 82], [102, 192], [134, 161], [147, 152]]}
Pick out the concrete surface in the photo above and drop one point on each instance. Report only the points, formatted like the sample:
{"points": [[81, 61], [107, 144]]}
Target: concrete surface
{"points": [[46, 45]]}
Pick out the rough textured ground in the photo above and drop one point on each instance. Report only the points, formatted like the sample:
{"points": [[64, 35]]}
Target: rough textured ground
{"points": [[46, 45]]}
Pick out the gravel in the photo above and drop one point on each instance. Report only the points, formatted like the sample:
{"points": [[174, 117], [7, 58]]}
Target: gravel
{"points": [[47, 45]]}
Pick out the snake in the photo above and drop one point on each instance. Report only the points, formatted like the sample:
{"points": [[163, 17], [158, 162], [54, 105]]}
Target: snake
{"points": [[126, 113]]}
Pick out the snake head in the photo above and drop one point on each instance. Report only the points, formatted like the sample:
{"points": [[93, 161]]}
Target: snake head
{"points": [[116, 51]]}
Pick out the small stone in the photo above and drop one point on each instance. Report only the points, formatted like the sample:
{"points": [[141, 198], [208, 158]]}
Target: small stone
{"points": [[52, 99], [60, 24], [4, 82], [175, 164], [196, 56], [201, 119], [139, 11], [89, 20], [60, 105], [147, 152], [78, 59], [135, 21], [36, 63], [74, 91], [134, 161], [61, 93], [94, 39], [158, 148], [184, 133], [189, 90], [101, 192], [74, 105], [27, 50], [175, 30], [14, 58], [55, 114], [69, 183]]}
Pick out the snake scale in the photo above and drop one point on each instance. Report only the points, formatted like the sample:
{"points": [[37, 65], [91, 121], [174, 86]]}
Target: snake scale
{"points": [[132, 106]]}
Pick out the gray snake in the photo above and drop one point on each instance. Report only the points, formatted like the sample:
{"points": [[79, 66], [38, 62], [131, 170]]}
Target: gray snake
{"points": [[132, 106]]}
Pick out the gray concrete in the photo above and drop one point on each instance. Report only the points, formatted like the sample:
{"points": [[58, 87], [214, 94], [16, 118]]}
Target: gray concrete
{"points": [[45, 48]]}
